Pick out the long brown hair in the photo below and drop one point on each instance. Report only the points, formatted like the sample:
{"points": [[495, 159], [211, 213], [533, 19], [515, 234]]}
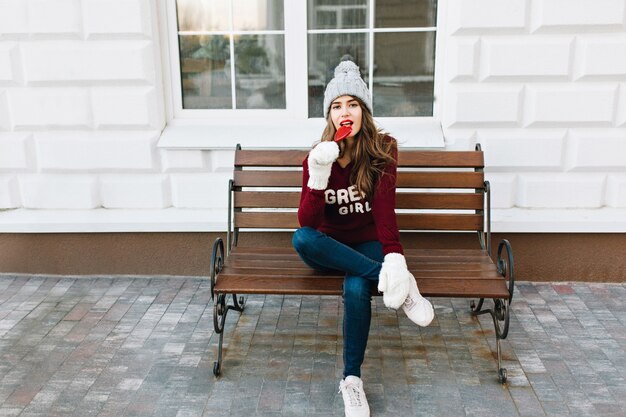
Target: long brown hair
{"points": [[371, 152]]}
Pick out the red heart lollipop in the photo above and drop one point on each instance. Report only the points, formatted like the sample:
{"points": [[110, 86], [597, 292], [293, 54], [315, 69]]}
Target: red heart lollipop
{"points": [[342, 132]]}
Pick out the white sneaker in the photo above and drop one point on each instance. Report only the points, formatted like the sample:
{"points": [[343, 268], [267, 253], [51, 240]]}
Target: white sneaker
{"points": [[418, 309], [354, 398]]}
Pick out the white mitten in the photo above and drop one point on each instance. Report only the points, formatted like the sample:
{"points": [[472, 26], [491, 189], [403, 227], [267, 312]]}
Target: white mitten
{"points": [[321, 160], [394, 280]]}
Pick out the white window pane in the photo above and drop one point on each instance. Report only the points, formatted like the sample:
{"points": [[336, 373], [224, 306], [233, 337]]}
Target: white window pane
{"points": [[206, 15], [205, 72], [325, 53], [260, 71], [405, 13], [337, 14], [258, 15], [404, 73]]}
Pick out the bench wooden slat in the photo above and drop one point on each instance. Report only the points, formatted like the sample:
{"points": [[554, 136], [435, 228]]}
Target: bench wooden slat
{"points": [[460, 179], [269, 199], [406, 179], [433, 159], [406, 158], [257, 178], [452, 268], [412, 255], [289, 251], [406, 221], [267, 157], [447, 264], [266, 199], [280, 271], [429, 287], [451, 201]]}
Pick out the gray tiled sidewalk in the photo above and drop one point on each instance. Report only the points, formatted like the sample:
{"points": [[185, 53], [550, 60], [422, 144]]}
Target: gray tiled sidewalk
{"points": [[113, 346]]}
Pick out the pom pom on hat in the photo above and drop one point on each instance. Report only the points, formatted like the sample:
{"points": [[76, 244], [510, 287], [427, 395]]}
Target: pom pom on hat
{"points": [[348, 82]]}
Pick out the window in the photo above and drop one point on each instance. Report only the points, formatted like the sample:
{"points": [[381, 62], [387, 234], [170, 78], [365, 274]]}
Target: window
{"points": [[236, 55], [232, 54], [392, 41]]}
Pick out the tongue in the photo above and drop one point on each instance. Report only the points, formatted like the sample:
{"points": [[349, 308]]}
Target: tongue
{"points": [[342, 133]]}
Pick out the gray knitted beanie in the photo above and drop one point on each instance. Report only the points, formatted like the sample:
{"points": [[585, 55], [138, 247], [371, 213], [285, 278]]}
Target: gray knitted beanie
{"points": [[347, 81]]}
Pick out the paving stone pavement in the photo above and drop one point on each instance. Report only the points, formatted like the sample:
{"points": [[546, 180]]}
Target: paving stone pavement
{"points": [[136, 346]]}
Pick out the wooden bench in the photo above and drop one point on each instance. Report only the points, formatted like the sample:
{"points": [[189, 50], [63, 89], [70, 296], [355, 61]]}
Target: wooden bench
{"points": [[436, 191]]}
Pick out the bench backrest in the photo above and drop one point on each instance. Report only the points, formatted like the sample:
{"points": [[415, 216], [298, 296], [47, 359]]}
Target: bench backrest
{"points": [[436, 191]]}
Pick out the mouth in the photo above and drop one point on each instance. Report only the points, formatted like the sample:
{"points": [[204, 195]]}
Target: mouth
{"points": [[346, 123]]}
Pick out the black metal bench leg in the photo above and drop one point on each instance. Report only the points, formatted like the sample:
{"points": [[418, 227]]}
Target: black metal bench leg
{"points": [[500, 315], [220, 310], [501, 306]]}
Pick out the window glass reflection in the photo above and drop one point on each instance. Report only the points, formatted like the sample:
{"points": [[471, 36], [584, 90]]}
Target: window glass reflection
{"points": [[205, 72], [325, 52], [206, 15], [260, 72], [258, 15], [405, 13], [337, 14], [404, 74]]}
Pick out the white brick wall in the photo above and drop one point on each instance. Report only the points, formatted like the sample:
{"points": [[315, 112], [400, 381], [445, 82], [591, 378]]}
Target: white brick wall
{"points": [[597, 150], [620, 118], [616, 190], [200, 190], [539, 83], [462, 59], [59, 17], [542, 56], [75, 61], [561, 190], [485, 105], [49, 107], [549, 14], [59, 191], [135, 191], [8, 63], [484, 15], [570, 105], [5, 115], [600, 56], [15, 151], [124, 107], [120, 17], [131, 151], [186, 160], [9, 195], [521, 150], [502, 190], [14, 16]]}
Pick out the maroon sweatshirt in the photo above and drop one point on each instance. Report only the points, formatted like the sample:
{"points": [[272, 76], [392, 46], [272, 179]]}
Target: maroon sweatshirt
{"points": [[343, 214]]}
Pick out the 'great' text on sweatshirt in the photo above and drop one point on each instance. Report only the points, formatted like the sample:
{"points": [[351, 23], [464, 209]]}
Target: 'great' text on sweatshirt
{"points": [[342, 213]]}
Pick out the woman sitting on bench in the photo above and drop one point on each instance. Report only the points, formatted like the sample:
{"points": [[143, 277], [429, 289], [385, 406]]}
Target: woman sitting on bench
{"points": [[348, 222]]}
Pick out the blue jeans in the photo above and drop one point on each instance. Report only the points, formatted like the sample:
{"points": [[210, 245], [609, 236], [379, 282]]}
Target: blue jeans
{"points": [[361, 264]]}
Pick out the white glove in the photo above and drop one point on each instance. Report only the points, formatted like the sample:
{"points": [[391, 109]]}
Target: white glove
{"points": [[321, 160], [394, 280]]}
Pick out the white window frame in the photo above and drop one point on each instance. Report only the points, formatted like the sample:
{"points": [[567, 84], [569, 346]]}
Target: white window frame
{"points": [[291, 127]]}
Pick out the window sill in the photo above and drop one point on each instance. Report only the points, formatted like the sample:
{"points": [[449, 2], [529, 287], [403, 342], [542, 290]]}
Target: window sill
{"points": [[204, 134]]}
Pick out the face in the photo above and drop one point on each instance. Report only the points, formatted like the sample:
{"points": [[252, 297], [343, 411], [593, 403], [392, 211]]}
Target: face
{"points": [[346, 110]]}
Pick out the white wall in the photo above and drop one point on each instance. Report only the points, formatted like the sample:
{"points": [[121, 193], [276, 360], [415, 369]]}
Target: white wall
{"points": [[540, 84]]}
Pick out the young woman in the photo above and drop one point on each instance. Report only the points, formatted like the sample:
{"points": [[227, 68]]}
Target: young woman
{"points": [[348, 222]]}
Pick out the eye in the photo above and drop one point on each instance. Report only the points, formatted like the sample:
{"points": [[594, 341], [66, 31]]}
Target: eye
{"points": [[354, 104]]}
